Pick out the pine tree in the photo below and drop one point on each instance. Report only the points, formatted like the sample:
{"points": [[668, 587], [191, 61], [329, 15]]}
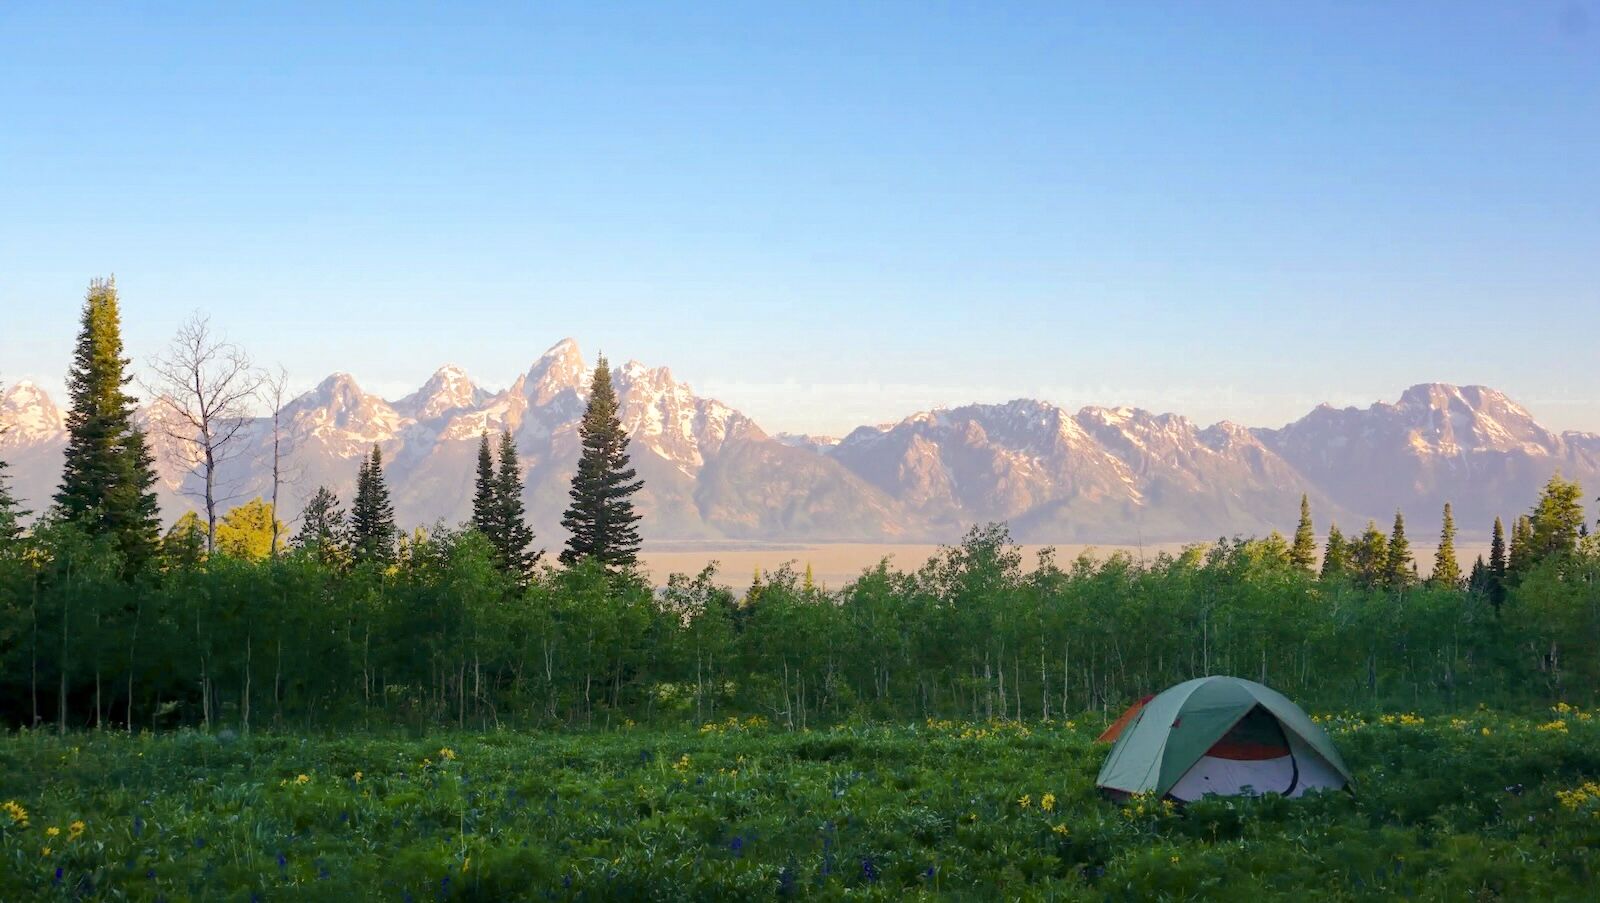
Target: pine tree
{"points": [[1555, 520], [485, 503], [515, 536], [1336, 555], [372, 530], [1478, 577], [601, 517], [11, 512], [1496, 577], [1397, 571], [1303, 554], [1369, 556], [1446, 570], [108, 473], [1521, 552], [323, 528]]}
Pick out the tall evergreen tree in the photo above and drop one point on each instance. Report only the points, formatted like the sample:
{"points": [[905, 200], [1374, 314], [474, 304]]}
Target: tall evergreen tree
{"points": [[1303, 554], [485, 501], [11, 512], [601, 518], [372, 530], [1446, 570], [1398, 566], [1336, 555], [1521, 553], [515, 536], [1497, 562], [108, 473]]}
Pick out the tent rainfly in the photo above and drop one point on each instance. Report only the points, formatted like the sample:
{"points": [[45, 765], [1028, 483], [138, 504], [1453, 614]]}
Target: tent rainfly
{"points": [[1219, 735]]}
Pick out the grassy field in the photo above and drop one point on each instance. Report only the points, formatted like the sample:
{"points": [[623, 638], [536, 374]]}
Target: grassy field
{"points": [[1477, 806]]}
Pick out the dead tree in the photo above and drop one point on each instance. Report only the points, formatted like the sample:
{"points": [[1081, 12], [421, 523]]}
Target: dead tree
{"points": [[274, 393], [203, 387]]}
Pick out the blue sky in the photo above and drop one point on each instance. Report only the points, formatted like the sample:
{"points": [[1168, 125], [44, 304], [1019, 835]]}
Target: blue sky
{"points": [[827, 214]]}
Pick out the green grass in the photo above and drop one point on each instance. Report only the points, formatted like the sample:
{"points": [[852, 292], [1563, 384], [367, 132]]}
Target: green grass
{"points": [[754, 812]]}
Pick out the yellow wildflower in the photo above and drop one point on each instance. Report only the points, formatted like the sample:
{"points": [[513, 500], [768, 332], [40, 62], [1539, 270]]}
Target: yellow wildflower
{"points": [[19, 815], [1558, 726], [1025, 800], [1048, 802], [358, 777], [302, 779], [1484, 732], [75, 829], [1174, 860], [466, 864], [447, 754], [52, 831], [45, 852], [1061, 829]]}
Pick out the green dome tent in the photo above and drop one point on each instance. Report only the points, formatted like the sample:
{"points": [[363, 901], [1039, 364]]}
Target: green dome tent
{"points": [[1221, 735]]}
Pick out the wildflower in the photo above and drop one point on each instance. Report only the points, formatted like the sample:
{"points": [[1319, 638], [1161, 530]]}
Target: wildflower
{"points": [[1061, 829], [358, 777], [302, 779], [75, 829], [466, 864], [447, 754], [1484, 732], [426, 762], [52, 831], [45, 852], [1025, 800], [682, 764], [1558, 726], [1048, 802], [19, 815], [1174, 860]]}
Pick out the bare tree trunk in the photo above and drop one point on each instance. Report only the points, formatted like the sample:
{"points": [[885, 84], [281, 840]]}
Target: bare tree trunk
{"points": [[204, 384]]}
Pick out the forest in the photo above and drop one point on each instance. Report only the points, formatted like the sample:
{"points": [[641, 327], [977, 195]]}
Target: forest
{"points": [[231, 620]]}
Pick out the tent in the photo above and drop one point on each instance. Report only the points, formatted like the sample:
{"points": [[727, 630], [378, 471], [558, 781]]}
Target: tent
{"points": [[1220, 735]]}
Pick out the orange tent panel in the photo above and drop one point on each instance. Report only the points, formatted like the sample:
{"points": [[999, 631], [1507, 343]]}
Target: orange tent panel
{"points": [[1115, 730]]}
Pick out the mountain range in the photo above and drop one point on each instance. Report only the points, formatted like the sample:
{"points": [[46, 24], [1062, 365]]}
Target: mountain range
{"points": [[1107, 475]]}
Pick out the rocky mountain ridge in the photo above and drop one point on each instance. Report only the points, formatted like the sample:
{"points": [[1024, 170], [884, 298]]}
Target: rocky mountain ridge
{"points": [[1100, 474]]}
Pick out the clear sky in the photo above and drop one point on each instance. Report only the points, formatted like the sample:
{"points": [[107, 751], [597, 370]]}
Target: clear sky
{"points": [[827, 214]]}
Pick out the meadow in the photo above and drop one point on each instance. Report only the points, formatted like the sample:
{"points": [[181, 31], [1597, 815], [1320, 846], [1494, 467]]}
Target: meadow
{"points": [[1477, 805]]}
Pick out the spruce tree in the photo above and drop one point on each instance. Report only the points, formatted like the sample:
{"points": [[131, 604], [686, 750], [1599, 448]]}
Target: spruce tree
{"points": [[1303, 554], [1336, 556], [1521, 553], [321, 521], [372, 530], [601, 518], [108, 473], [1397, 571], [1478, 577], [515, 536], [1497, 564], [1446, 570], [1555, 520], [11, 512], [1369, 556], [485, 501]]}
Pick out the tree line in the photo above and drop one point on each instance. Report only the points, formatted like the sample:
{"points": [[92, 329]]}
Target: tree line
{"points": [[238, 622]]}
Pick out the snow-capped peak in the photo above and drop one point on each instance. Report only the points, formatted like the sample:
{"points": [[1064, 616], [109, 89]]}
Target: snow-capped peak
{"points": [[448, 389], [27, 415], [557, 370]]}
